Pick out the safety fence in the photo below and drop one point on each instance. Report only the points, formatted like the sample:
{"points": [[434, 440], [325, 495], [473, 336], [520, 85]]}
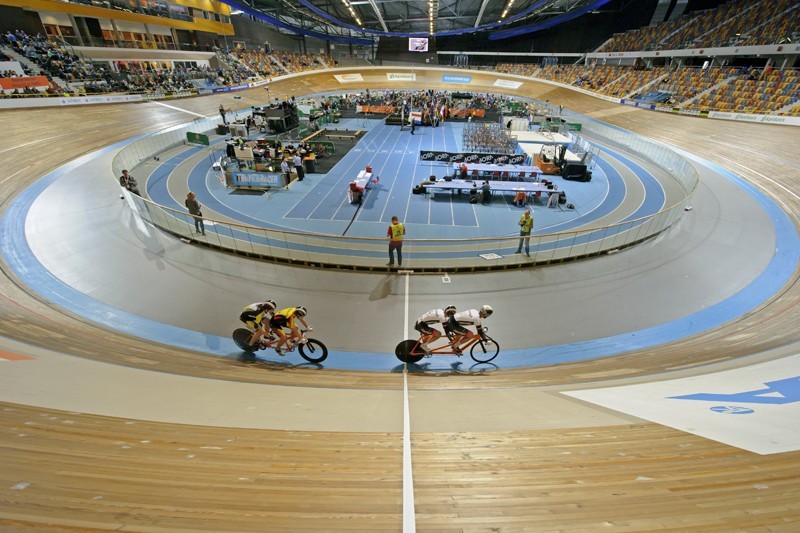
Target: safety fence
{"points": [[437, 255]]}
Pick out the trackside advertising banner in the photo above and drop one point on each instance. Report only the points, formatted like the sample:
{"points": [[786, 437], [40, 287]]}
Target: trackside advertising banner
{"points": [[432, 156], [401, 76], [347, 78], [768, 119], [453, 78], [507, 84]]}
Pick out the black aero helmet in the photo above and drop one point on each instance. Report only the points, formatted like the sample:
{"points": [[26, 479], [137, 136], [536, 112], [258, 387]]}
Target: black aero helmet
{"points": [[300, 310], [450, 310], [269, 304]]}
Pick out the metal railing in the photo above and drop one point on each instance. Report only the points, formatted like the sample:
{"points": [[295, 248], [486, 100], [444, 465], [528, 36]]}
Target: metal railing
{"points": [[360, 253]]}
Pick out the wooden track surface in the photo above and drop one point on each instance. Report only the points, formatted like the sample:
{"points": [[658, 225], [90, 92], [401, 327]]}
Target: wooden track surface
{"points": [[637, 477]]}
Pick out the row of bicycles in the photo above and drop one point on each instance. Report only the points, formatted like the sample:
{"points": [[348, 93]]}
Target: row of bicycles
{"points": [[481, 348]]}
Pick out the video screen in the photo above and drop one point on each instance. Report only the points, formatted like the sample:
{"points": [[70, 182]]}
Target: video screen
{"points": [[417, 44]]}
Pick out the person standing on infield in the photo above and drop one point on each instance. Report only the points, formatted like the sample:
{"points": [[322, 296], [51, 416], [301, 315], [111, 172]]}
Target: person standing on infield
{"points": [[194, 209], [525, 227], [395, 234]]}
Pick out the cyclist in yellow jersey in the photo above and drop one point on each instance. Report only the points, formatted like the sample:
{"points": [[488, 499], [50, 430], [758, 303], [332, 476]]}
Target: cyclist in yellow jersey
{"points": [[395, 234], [256, 316], [285, 319]]}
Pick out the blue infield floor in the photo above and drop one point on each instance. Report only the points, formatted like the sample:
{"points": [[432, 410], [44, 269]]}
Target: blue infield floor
{"points": [[319, 204]]}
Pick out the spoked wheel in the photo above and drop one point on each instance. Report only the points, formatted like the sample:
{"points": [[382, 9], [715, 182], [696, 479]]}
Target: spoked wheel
{"points": [[313, 351], [484, 350], [241, 337], [405, 351]]}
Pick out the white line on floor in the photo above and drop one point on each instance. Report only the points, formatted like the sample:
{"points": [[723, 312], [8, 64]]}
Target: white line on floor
{"points": [[409, 515], [43, 139], [15, 173], [179, 109]]}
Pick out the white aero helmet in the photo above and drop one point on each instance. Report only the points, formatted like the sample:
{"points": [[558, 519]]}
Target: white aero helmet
{"points": [[450, 310], [486, 310]]}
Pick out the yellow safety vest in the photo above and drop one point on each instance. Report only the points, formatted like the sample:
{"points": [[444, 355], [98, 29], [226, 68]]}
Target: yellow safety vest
{"points": [[527, 224], [397, 232]]}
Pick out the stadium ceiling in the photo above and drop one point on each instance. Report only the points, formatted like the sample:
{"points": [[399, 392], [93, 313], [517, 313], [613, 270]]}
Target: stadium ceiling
{"points": [[401, 18]]}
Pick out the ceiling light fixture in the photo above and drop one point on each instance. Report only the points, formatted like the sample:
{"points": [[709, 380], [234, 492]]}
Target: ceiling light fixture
{"points": [[508, 7], [352, 11], [433, 12]]}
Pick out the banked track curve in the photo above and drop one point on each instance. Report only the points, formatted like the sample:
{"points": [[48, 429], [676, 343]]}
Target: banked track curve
{"points": [[37, 149]]}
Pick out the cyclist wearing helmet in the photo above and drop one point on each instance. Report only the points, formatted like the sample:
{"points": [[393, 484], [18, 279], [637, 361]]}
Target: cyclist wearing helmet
{"points": [[457, 325], [256, 317], [285, 319], [434, 316]]}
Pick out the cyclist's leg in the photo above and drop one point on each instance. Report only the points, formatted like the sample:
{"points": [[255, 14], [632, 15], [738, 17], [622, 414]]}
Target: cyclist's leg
{"points": [[462, 336], [453, 330], [276, 324], [433, 336], [257, 332], [426, 333], [468, 337], [294, 335]]}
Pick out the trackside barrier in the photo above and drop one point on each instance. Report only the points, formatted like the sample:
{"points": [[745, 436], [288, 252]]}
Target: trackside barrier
{"points": [[435, 255]]}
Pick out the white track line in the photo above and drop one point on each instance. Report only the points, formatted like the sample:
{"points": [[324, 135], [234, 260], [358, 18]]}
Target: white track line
{"points": [[179, 109], [409, 515], [15, 173]]}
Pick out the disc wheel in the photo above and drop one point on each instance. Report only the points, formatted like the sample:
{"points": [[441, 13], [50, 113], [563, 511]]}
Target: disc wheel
{"points": [[241, 337], [313, 351], [404, 351], [484, 350]]}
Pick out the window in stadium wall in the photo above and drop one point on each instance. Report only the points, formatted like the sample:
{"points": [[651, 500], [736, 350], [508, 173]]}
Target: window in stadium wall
{"points": [[160, 7], [55, 30], [131, 5], [163, 40], [178, 10]]}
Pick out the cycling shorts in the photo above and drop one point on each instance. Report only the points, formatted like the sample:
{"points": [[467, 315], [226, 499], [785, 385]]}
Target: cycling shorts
{"points": [[253, 321], [424, 328], [279, 321], [452, 326]]}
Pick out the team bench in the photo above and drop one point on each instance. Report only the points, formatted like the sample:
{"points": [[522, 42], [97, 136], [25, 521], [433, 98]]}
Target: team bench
{"points": [[314, 135], [355, 135]]}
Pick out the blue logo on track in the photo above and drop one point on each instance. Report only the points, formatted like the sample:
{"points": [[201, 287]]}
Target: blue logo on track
{"points": [[776, 393], [732, 410]]}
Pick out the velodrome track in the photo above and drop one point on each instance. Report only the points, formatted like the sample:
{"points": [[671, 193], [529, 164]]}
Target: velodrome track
{"points": [[504, 451]]}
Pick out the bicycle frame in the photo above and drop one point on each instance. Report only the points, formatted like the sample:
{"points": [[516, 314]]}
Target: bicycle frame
{"points": [[481, 348], [446, 349], [311, 350], [270, 342]]}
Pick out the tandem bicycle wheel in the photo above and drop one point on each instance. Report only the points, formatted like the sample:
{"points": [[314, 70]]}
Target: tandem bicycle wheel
{"points": [[313, 351], [241, 337], [484, 350], [405, 351]]}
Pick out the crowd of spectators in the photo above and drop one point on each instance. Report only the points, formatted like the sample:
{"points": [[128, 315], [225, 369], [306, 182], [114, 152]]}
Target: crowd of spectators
{"points": [[280, 62], [740, 89], [52, 61], [735, 23], [423, 99]]}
